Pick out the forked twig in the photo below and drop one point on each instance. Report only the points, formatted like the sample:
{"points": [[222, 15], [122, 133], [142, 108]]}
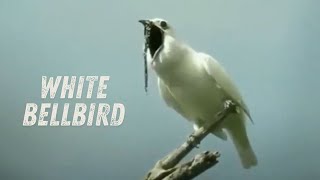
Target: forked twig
{"points": [[168, 167]]}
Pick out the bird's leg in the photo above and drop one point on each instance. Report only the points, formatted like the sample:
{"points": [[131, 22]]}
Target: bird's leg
{"points": [[192, 141], [192, 137]]}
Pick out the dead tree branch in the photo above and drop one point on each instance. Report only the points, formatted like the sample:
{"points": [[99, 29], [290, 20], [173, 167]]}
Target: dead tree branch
{"points": [[167, 167]]}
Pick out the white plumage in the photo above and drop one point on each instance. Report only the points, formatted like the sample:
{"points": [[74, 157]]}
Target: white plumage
{"points": [[195, 85]]}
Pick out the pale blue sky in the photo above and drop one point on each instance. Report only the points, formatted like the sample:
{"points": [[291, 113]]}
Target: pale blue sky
{"points": [[271, 48]]}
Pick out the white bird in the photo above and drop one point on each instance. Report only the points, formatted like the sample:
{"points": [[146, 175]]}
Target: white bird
{"points": [[195, 85]]}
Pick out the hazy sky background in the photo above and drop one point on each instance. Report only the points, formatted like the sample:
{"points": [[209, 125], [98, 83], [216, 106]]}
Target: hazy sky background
{"points": [[271, 48]]}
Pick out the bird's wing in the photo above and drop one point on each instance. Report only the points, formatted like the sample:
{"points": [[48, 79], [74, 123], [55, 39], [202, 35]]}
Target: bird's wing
{"points": [[220, 76], [170, 99], [171, 102]]}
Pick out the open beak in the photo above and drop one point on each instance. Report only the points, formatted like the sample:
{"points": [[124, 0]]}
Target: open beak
{"points": [[144, 22]]}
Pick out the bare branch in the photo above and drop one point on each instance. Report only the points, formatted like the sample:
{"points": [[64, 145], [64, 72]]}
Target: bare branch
{"points": [[167, 167], [196, 166]]}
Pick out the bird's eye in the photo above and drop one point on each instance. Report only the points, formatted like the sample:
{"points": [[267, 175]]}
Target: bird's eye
{"points": [[163, 24]]}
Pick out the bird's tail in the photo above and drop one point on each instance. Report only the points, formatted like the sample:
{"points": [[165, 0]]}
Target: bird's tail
{"points": [[238, 134]]}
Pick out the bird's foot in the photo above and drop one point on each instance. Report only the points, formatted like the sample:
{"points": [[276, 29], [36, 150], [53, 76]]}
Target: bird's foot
{"points": [[230, 106], [192, 140]]}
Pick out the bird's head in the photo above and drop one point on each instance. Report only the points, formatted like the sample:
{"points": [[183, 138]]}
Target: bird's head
{"points": [[155, 31]]}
